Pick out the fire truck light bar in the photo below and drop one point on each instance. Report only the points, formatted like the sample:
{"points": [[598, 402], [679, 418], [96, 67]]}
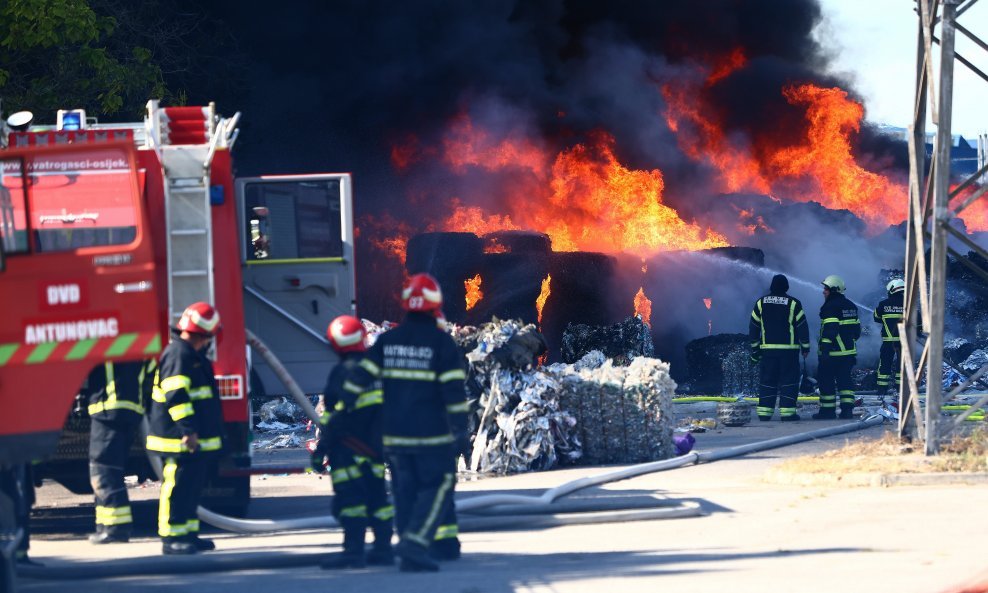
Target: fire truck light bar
{"points": [[231, 386]]}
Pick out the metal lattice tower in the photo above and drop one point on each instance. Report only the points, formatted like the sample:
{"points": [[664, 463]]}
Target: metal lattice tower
{"points": [[932, 206]]}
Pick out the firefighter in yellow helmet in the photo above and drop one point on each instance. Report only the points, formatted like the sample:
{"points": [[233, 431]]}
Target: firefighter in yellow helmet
{"points": [[840, 329]]}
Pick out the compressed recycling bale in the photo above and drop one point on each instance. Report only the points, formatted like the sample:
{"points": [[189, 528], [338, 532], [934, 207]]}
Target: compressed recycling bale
{"points": [[451, 258], [511, 283], [622, 341], [721, 364], [734, 413], [517, 242]]}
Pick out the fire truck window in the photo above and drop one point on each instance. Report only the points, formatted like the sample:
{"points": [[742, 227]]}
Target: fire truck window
{"points": [[81, 200], [13, 221], [293, 220]]}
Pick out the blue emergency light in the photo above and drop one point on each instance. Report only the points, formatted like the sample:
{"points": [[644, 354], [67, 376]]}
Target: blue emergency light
{"points": [[71, 119]]}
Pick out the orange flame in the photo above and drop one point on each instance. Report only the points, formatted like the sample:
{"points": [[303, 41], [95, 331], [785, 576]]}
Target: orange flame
{"points": [[975, 216], [643, 307], [826, 158], [587, 200], [387, 234], [821, 167], [707, 302], [474, 294], [543, 297], [494, 246]]}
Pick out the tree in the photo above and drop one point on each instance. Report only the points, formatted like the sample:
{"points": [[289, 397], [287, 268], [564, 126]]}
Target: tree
{"points": [[58, 54]]}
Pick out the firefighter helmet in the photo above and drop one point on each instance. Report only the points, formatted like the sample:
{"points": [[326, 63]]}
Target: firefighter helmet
{"points": [[835, 283], [346, 334], [421, 293], [200, 318], [895, 285]]}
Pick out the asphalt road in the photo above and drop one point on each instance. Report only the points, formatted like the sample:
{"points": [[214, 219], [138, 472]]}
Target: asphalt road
{"points": [[754, 535]]}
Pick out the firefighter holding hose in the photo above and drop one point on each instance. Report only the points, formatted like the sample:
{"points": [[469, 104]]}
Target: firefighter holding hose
{"points": [[887, 315], [425, 424], [350, 436], [778, 334]]}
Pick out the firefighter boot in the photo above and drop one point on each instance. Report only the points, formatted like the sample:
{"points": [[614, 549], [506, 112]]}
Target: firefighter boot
{"points": [[116, 534], [173, 546], [414, 558], [825, 414], [846, 412], [352, 555], [445, 549], [381, 553], [201, 544]]}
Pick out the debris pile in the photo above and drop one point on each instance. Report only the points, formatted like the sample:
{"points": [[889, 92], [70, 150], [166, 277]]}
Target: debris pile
{"points": [[530, 417], [281, 424], [622, 341]]}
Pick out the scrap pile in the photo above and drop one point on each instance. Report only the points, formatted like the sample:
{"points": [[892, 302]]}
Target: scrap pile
{"points": [[530, 417], [592, 411]]}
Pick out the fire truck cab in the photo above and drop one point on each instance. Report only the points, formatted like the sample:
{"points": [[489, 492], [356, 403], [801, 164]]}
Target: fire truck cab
{"points": [[108, 231]]}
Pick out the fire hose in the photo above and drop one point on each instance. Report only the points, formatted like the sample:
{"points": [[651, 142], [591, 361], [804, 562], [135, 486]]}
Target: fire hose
{"points": [[480, 513]]}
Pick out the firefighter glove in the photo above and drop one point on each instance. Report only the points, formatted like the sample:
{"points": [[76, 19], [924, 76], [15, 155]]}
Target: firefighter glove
{"points": [[318, 463]]}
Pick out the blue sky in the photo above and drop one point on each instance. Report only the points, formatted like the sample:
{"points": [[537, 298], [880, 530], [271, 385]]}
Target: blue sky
{"points": [[875, 41]]}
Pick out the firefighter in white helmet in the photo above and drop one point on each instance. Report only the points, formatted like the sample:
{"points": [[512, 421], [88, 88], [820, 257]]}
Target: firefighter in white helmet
{"points": [[888, 315], [186, 427], [350, 437], [839, 330]]}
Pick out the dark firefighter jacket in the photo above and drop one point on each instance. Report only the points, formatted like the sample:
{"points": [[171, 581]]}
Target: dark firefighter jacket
{"points": [[888, 314], [778, 322], [357, 425], [119, 390], [185, 400], [423, 384], [839, 326]]}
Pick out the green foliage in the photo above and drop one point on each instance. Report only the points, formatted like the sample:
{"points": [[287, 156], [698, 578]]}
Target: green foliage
{"points": [[58, 54]]}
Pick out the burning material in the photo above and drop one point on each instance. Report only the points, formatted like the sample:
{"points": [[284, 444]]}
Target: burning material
{"points": [[582, 197], [623, 341], [643, 307], [474, 294], [707, 302], [543, 297]]}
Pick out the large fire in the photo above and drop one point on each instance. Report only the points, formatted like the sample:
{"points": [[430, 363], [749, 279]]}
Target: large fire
{"points": [[543, 297], [821, 167], [583, 197], [474, 294], [643, 307]]}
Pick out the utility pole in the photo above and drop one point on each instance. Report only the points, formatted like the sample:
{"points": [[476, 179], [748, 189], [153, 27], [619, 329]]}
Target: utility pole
{"points": [[930, 215]]}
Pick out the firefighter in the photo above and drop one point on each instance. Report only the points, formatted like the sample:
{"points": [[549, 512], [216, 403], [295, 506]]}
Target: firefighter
{"points": [[778, 334], [350, 435], [186, 427], [425, 423], [118, 392], [839, 330], [888, 314]]}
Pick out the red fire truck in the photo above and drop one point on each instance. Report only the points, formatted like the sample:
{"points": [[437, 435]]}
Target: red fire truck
{"points": [[108, 231]]}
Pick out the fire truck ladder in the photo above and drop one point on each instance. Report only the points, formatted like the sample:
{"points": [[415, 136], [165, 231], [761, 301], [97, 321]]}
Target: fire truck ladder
{"points": [[186, 139]]}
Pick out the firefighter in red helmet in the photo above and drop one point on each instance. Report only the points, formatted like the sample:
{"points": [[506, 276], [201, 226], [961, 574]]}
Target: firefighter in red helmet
{"points": [[425, 424], [350, 437], [186, 427]]}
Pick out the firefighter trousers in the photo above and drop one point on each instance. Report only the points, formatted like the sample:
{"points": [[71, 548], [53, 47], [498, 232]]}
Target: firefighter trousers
{"points": [[423, 485], [889, 360], [834, 379], [779, 378], [183, 479], [109, 446], [17, 498], [360, 499]]}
